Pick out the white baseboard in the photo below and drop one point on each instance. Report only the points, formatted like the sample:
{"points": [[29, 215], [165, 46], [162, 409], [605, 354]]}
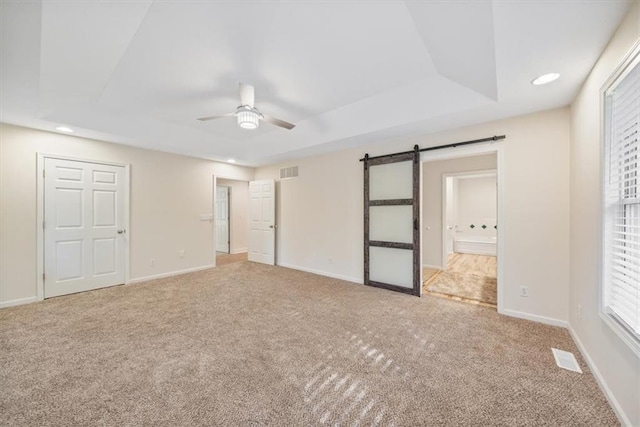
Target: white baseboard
{"points": [[321, 273], [535, 318], [433, 267], [239, 251], [20, 301], [169, 274], [622, 417]]}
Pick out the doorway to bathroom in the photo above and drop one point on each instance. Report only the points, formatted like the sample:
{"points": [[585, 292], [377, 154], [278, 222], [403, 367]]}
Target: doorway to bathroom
{"points": [[231, 220], [460, 228]]}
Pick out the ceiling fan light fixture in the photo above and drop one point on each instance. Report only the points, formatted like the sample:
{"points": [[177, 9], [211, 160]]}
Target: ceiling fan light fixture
{"points": [[248, 119], [248, 116]]}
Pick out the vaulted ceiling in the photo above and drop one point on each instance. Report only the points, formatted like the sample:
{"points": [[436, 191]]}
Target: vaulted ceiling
{"points": [[344, 72]]}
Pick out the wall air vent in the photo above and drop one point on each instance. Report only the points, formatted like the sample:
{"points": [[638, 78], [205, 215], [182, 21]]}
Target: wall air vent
{"points": [[290, 172]]}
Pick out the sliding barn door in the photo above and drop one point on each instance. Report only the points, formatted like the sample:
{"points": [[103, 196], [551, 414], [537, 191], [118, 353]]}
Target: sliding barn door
{"points": [[391, 222]]}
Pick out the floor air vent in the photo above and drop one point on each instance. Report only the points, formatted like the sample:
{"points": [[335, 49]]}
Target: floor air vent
{"points": [[290, 172], [566, 360]]}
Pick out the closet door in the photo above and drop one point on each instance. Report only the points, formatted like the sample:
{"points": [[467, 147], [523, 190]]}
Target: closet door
{"points": [[262, 221], [391, 222], [84, 226]]}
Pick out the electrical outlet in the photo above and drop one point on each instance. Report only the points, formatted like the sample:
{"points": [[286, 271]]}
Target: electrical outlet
{"points": [[181, 253], [524, 291], [579, 311], [152, 262]]}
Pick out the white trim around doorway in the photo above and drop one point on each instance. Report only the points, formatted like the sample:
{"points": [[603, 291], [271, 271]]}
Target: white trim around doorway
{"points": [[215, 179], [470, 174], [479, 150]]}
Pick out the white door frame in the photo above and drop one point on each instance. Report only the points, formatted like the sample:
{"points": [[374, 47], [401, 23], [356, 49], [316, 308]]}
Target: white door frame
{"points": [[478, 173], [213, 209], [470, 151], [40, 214], [228, 217]]}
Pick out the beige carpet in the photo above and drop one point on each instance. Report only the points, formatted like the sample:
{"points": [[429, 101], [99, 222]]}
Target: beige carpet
{"points": [[247, 344]]}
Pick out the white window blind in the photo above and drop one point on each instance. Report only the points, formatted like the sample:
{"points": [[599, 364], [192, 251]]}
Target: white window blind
{"points": [[621, 272]]}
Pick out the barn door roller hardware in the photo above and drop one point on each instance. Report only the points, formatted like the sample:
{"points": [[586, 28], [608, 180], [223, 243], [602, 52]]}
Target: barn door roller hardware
{"points": [[440, 147]]}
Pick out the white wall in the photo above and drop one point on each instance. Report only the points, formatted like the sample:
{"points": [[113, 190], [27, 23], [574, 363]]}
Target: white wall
{"points": [[320, 214], [168, 192], [617, 365], [239, 214], [432, 200], [476, 204]]}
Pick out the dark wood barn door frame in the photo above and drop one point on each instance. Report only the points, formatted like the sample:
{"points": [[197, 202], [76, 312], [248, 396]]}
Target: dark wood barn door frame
{"points": [[414, 157]]}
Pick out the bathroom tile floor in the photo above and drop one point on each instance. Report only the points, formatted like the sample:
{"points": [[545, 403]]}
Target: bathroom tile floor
{"points": [[468, 278], [223, 259]]}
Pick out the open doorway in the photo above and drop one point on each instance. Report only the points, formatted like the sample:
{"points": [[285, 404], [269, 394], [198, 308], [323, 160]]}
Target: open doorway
{"points": [[231, 220], [460, 228], [223, 236]]}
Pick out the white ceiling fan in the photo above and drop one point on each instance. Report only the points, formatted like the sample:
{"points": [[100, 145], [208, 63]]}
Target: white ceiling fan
{"points": [[247, 114]]}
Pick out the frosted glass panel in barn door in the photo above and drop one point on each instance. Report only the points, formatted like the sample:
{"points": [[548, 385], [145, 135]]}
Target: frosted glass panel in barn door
{"points": [[262, 221], [391, 215]]}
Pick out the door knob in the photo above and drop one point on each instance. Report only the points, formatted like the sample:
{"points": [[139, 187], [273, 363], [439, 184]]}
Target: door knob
{"points": [[121, 231]]}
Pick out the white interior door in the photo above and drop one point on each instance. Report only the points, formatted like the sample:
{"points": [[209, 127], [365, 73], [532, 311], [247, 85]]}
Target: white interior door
{"points": [[222, 219], [449, 222], [262, 214], [83, 226]]}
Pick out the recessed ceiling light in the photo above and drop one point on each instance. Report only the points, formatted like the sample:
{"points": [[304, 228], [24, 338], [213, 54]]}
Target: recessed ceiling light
{"points": [[64, 129], [545, 78], [231, 161]]}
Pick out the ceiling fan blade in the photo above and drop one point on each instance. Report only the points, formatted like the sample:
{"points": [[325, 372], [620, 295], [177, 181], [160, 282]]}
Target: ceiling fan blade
{"points": [[204, 119], [247, 96], [278, 122]]}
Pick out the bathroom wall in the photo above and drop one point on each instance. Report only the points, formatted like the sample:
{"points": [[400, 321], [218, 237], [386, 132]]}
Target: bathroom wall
{"points": [[432, 200], [475, 206]]}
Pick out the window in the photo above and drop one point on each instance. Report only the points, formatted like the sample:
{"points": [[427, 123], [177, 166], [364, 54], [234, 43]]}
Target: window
{"points": [[621, 202]]}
